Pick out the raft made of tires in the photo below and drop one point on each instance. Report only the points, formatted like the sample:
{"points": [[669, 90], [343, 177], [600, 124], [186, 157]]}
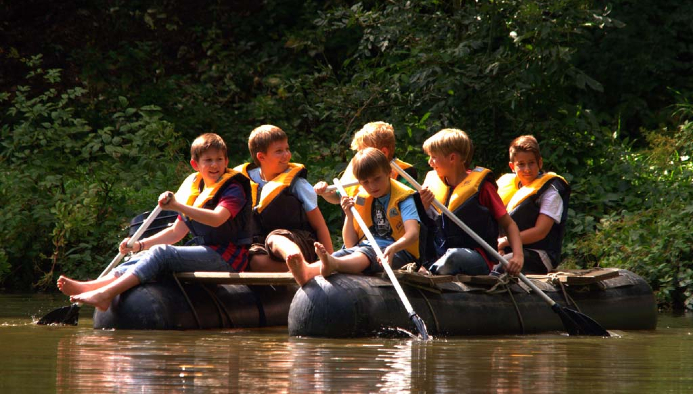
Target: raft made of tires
{"points": [[357, 306], [190, 301]]}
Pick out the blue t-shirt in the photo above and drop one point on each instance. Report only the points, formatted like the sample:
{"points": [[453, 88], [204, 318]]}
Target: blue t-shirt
{"points": [[300, 188], [381, 230]]}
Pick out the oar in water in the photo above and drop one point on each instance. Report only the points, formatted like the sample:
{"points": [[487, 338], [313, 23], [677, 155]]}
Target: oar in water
{"points": [[418, 322], [69, 315], [575, 323]]}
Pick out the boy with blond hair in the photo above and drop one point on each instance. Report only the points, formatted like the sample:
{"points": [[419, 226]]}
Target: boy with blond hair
{"points": [[214, 205], [286, 217], [471, 195], [388, 209], [537, 202], [378, 135]]}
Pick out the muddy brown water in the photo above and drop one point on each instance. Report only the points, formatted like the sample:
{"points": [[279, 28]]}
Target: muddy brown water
{"points": [[40, 359]]}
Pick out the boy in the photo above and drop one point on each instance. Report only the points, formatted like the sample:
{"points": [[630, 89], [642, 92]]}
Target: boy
{"points": [[286, 217], [379, 135], [389, 210], [537, 202], [214, 205], [471, 195]]}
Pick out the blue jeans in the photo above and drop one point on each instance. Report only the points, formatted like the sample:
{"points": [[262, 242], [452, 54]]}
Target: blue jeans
{"points": [[460, 261], [164, 259]]}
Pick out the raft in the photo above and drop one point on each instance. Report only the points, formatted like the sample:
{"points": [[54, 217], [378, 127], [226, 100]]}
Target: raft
{"points": [[210, 300], [341, 306]]}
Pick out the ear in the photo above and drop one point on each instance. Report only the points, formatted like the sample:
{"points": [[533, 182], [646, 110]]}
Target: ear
{"points": [[260, 156], [194, 164], [512, 166], [541, 163], [386, 151]]}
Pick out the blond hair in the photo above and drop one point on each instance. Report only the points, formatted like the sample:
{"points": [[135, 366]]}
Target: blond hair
{"points": [[205, 142], [262, 137], [524, 143], [448, 141], [377, 135]]}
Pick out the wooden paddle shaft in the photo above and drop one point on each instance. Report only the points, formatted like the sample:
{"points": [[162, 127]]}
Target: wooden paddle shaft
{"points": [[471, 233], [386, 264]]}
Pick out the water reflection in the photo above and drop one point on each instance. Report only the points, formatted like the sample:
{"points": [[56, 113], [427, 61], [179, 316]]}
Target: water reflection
{"points": [[80, 359]]}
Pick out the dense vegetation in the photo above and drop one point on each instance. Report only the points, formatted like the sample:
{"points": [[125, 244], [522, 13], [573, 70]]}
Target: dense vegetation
{"points": [[99, 101]]}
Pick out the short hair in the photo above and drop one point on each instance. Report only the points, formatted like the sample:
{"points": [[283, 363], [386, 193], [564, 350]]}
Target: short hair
{"points": [[368, 161], [206, 142], [448, 141], [377, 135], [524, 143], [262, 137]]}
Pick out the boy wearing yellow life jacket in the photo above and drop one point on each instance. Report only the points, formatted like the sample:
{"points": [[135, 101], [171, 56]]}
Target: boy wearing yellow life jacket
{"points": [[286, 217], [538, 202], [471, 195], [213, 204], [388, 209], [378, 135]]}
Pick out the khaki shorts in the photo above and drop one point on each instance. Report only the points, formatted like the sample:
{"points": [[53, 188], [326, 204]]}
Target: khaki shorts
{"points": [[303, 239]]}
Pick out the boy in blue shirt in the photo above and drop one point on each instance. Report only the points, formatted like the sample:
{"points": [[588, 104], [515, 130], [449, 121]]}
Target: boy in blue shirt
{"points": [[388, 209]]}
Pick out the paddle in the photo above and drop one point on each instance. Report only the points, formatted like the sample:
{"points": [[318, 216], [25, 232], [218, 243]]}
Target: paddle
{"points": [[574, 322], [68, 315], [332, 188], [418, 322]]}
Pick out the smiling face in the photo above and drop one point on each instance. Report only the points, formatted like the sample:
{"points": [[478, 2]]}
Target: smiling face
{"points": [[526, 166], [276, 159], [211, 165], [442, 164], [376, 185]]}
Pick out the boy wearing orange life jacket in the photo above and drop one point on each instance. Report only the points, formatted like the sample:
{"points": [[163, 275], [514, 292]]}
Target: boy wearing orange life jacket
{"points": [[388, 209], [471, 195], [214, 205], [286, 217], [378, 135], [538, 202]]}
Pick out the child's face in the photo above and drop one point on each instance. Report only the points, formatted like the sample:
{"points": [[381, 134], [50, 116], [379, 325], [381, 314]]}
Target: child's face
{"points": [[211, 165], [526, 167], [378, 185], [442, 164], [276, 159]]}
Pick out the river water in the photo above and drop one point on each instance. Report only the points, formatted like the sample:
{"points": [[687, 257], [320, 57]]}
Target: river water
{"points": [[43, 359]]}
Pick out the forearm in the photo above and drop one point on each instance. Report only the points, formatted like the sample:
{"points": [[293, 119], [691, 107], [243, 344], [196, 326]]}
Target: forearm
{"points": [[212, 218], [349, 234]]}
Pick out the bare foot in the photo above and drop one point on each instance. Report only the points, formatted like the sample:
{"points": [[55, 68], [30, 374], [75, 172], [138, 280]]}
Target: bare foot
{"points": [[71, 287], [96, 298], [329, 263], [298, 268]]}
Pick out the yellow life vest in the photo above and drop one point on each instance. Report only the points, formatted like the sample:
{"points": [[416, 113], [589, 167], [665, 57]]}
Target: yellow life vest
{"points": [[274, 187], [469, 187], [513, 194], [189, 191], [398, 192]]}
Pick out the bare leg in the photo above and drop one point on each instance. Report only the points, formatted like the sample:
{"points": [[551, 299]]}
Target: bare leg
{"points": [[354, 263], [264, 263], [72, 287], [101, 298], [283, 247], [302, 272]]}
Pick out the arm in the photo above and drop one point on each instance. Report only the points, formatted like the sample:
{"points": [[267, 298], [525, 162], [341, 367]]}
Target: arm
{"points": [[349, 234], [167, 236], [329, 196], [531, 235], [212, 218], [317, 221], [411, 235], [518, 259]]}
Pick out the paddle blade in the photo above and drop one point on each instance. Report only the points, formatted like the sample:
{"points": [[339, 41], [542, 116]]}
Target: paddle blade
{"points": [[420, 326], [577, 323], [67, 315]]}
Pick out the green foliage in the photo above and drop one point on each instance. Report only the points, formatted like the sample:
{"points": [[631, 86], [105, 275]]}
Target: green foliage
{"points": [[648, 194], [67, 188]]}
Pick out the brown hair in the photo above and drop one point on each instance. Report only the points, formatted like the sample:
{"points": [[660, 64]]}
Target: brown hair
{"points": [[262, 137], [377, 135], [524, 143], [368, 161], [448, 141], [206, 142]]}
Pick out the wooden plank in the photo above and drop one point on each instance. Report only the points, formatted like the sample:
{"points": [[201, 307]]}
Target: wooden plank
{"points": [[242, 278], [579, 277], [486, 280]]}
